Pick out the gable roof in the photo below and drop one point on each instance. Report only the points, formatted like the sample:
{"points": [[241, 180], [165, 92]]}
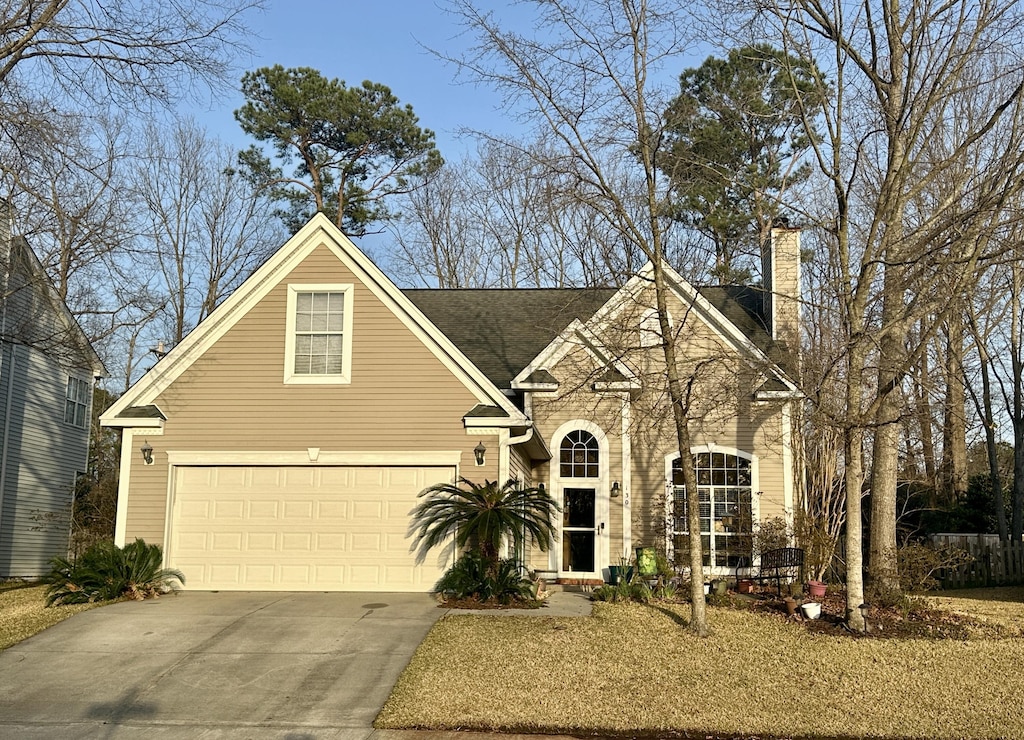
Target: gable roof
{"points": [[318, 231], [503, 330], [67, 341]]}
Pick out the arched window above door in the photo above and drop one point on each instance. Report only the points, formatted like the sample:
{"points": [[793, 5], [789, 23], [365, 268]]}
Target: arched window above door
{"points": [[578, 455]]}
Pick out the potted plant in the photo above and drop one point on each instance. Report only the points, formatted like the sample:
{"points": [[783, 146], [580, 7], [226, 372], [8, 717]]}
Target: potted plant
{"points": [[815, 589], [622, 571]]}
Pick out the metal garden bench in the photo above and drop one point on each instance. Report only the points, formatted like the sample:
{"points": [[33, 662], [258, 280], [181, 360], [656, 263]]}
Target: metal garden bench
{"points": [[782, 562]]}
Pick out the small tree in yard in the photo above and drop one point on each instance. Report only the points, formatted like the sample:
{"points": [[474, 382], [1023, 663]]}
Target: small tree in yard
{"points": [[480, 516]]}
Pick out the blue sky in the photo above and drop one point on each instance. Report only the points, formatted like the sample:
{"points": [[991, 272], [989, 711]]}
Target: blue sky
{"points": [[380, 41]]}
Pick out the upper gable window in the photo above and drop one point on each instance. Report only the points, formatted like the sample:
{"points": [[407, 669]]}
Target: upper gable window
{"points": [[579, 455], [318, 348], [650, 329], [76, 402]]}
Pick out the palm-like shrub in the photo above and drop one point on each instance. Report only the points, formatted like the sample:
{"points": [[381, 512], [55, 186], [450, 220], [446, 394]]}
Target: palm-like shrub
{"points": [[105, 572], [472, 576], [480, 516]]}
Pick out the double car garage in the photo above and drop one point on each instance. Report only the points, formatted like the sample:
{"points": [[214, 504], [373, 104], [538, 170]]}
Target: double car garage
{"points": [[301, 528]]}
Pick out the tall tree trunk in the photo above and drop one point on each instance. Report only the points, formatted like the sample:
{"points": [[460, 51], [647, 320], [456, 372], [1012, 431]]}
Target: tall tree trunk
{"points": [[924, 416], [954, 425], [883, 574], [679, 398], [854, 480], [1017, 412]]}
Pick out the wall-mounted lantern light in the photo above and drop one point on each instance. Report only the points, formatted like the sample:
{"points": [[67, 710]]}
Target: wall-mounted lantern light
{"points": [[479, 453], [147, 453], [615, 489]]}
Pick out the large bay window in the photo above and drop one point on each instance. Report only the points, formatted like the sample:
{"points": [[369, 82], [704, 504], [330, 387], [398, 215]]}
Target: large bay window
{"points": [[726, 518]]}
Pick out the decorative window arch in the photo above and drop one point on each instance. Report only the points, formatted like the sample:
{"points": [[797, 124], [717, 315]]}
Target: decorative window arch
{"points": [[725, 487], [579, 455]]}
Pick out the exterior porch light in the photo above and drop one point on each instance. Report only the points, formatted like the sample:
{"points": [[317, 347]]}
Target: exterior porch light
{"points": [[147, 452], [615, 490], [479, 453]]}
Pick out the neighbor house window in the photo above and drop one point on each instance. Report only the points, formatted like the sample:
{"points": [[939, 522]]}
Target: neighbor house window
{"points": [[319, 342], [76, 402], [578, 455], [723, 495]]}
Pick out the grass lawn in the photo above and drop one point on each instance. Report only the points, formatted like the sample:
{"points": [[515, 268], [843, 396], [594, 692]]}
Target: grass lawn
{"points": [[23, 613], [634, 668]]}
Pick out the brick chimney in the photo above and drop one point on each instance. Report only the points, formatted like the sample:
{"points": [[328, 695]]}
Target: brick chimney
{"points": [[780, 264]]}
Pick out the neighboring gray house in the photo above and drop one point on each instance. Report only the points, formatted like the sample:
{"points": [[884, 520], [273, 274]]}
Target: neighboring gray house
{"points": [[47, 372]]}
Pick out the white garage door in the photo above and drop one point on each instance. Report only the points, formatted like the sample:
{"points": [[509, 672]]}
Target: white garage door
{"points": [[301, 528]]}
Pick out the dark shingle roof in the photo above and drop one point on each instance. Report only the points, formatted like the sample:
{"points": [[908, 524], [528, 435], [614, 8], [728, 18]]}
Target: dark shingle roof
{"points": [[142, 412], [502, 330], [745, 307], [481, 411]]}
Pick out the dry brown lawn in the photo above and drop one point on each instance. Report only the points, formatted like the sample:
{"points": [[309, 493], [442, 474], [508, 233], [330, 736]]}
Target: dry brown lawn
{"points": [[633, 668], [23, 613]]}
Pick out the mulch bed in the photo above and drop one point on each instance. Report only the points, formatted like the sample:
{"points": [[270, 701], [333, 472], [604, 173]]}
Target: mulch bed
{"points": [[473, 603], [915, 619]]}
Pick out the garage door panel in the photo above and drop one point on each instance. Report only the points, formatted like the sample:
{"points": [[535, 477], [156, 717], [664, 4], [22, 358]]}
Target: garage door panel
{"points": [[270, 510], [332, 510], [367, 510], [301, 528], [228, 509], [298, 510], [265, 542]]}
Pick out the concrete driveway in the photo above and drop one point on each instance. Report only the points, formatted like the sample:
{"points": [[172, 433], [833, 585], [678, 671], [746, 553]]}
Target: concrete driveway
{"points": [[215, 665]]}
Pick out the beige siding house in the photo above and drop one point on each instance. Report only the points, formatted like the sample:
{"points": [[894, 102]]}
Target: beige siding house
{"points": [[283, 443]]}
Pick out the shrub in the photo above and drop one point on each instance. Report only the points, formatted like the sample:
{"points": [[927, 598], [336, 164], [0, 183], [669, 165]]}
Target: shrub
{"points": [[106, 572], [472, 577], [483, 515], [918, 563], [640, 591]]}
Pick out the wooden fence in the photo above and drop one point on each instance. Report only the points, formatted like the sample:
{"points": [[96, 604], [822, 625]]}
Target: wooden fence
{"points": [[992, 564]]}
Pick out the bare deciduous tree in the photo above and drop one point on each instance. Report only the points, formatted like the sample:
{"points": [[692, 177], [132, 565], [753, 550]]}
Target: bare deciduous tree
{"points": [[586, 82], [209, 226], [913, 183]]}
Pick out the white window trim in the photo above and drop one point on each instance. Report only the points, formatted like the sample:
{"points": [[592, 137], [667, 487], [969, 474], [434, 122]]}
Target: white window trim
{"points": [[345, 376]]}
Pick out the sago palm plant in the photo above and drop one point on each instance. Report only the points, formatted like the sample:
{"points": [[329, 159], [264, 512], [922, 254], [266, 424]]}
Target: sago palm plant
{"points": [[105, 572], [480, 516]]}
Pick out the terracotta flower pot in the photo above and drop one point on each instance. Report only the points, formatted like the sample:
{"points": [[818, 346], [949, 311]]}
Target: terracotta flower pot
{"points": [[791, 605]]}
